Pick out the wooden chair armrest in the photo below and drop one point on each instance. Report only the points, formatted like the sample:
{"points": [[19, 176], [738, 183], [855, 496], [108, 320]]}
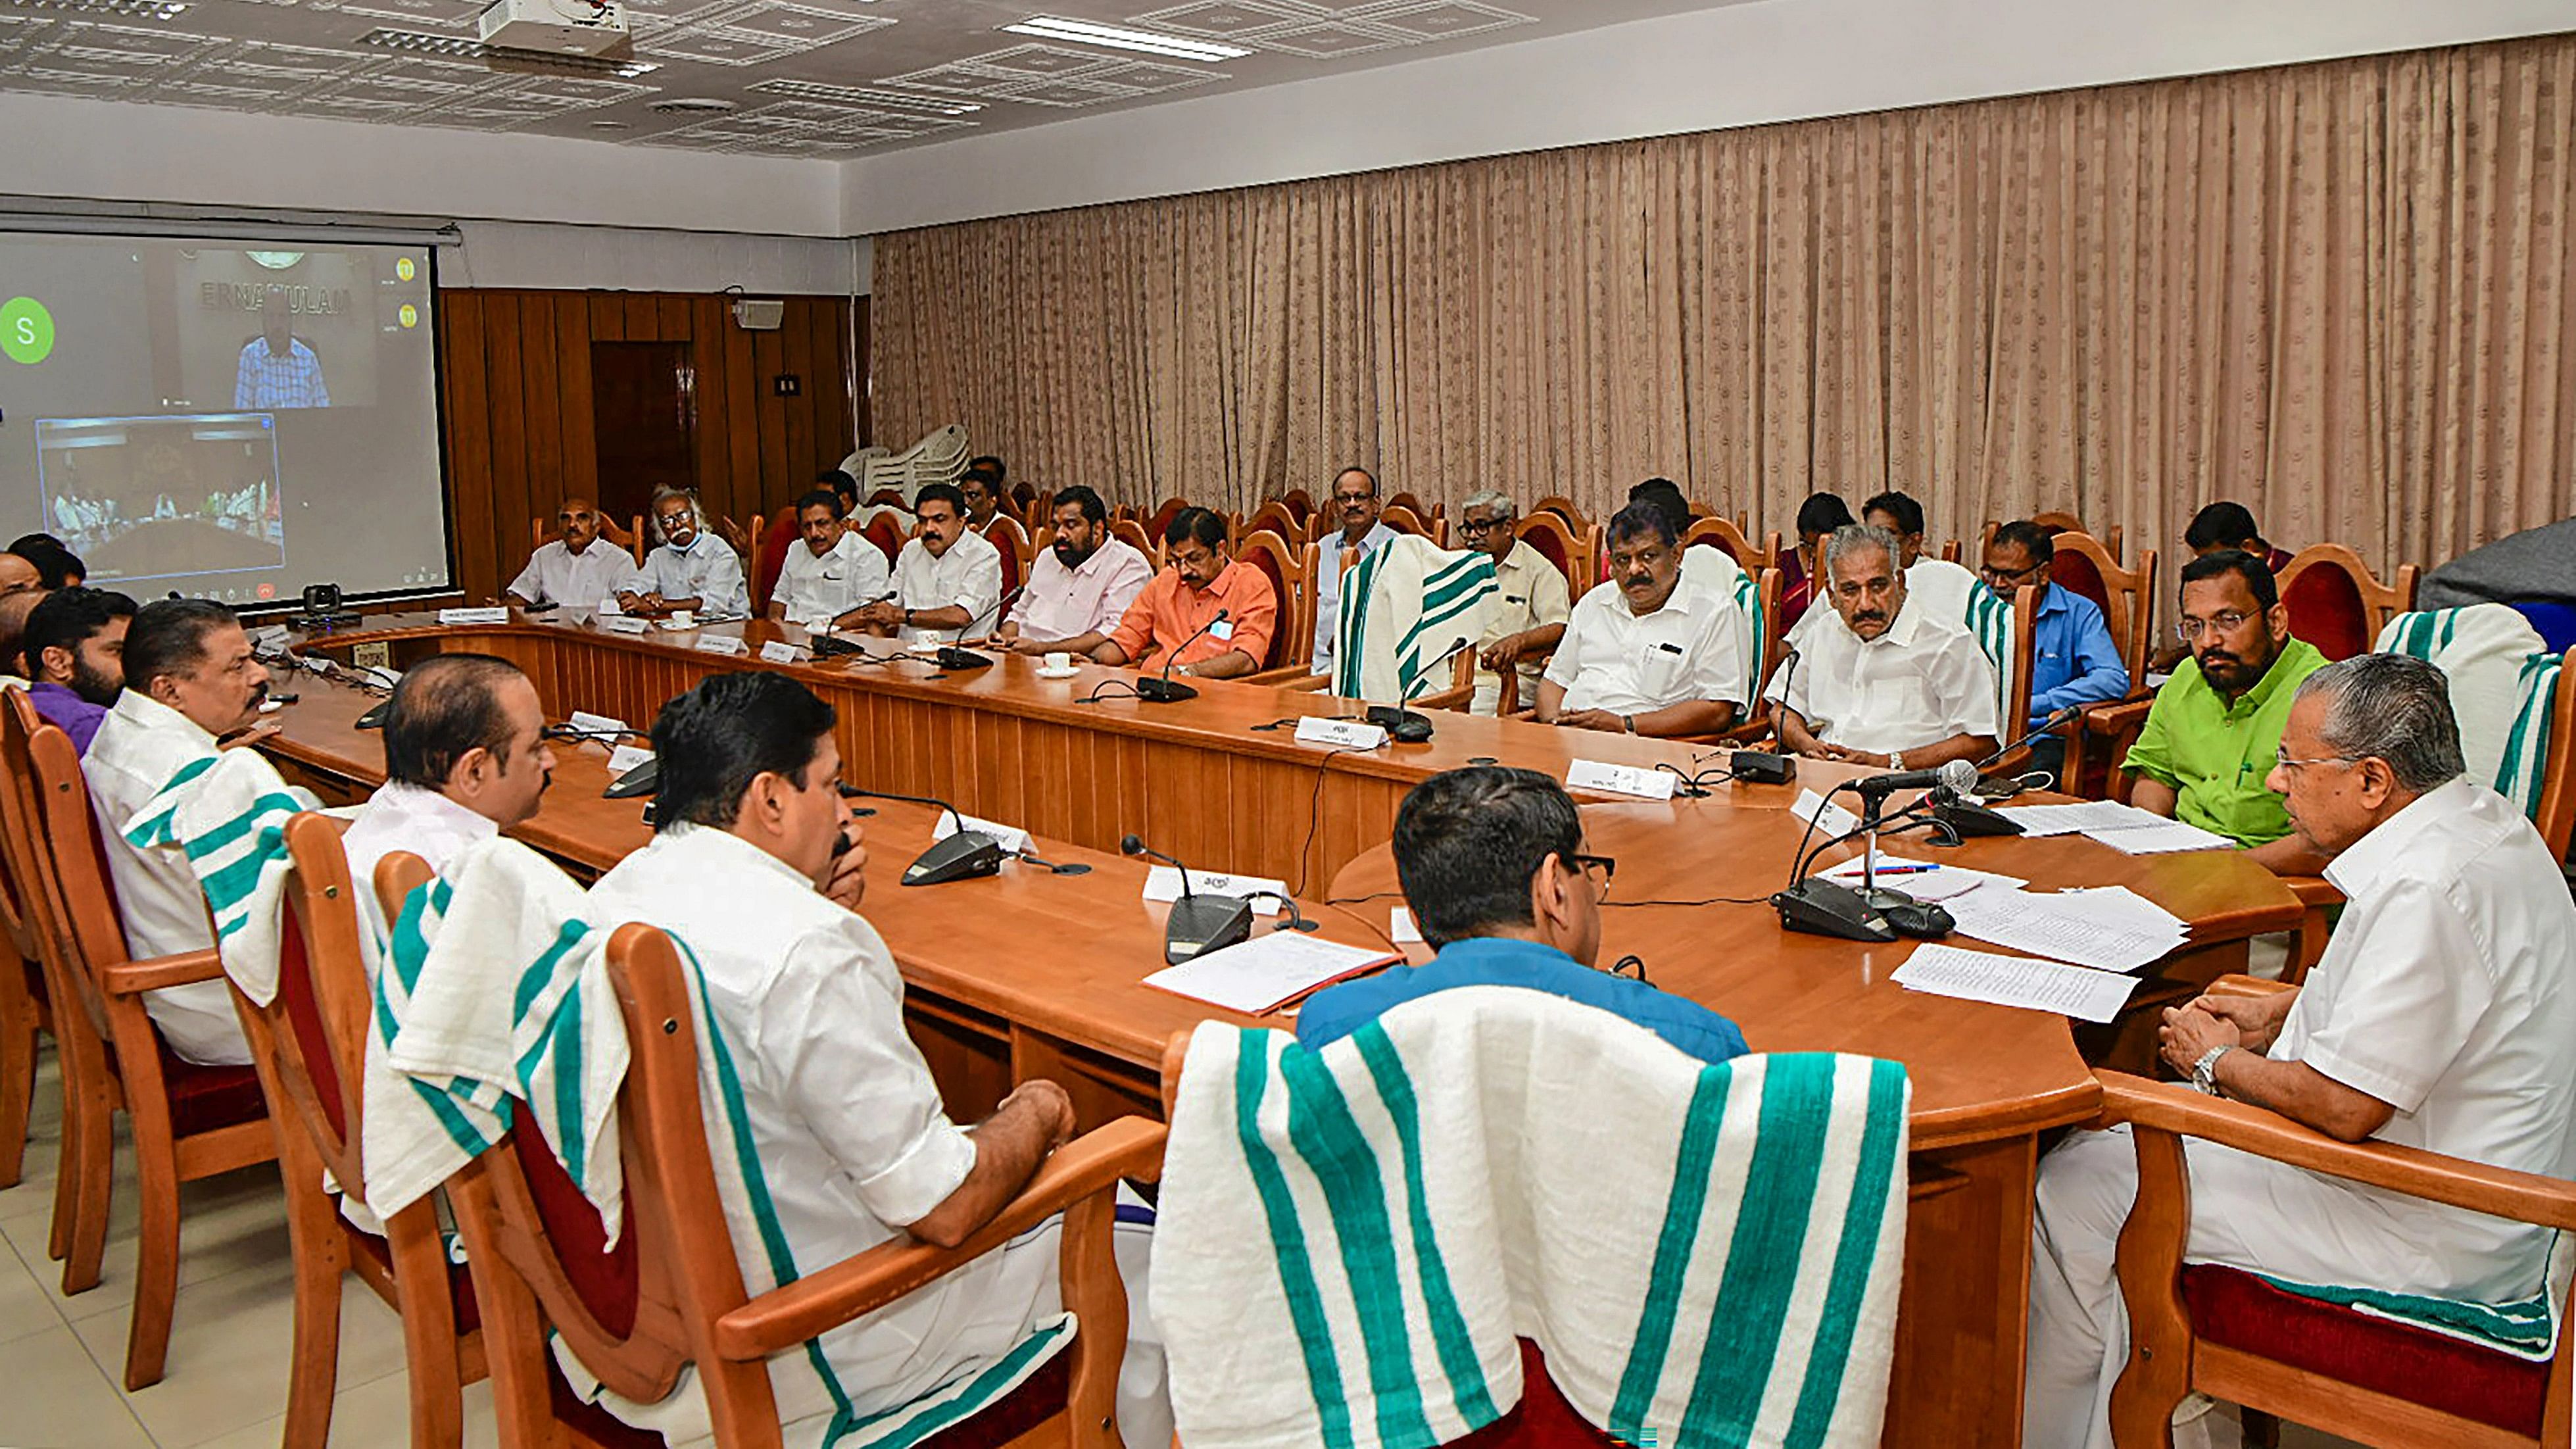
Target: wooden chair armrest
{"points": [[2173, 1108], [1449, 699], [184, 969], [2235, 985], [864, 1282], [2112, 719], [2313, 890]]}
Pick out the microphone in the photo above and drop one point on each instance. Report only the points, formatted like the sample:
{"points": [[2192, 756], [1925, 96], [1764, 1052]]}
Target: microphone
{"points": [[2045, 726], [1405, 726], [1967, 816], [1773, 767], [1162, 690], [1953, 777], [964, 855], [643, 779], [1200, 921], [952, 657]]}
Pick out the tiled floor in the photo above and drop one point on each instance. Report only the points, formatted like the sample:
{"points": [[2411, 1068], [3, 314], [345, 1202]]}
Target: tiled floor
{"points": [[62, 1359]]}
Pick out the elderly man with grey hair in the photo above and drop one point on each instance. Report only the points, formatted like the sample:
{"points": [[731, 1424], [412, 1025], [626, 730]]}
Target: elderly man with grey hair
{"points": [[2439, 1019], [1885, 681], [1530, 605], [693, 569]]}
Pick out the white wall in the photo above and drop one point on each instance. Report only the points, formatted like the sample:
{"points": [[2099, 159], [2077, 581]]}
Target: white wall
{"points": [[1731, 66], [628, 259], [67, 146]]}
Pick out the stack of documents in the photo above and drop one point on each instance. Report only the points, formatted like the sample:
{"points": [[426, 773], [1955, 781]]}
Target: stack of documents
{"points": [[1268, 971], [2011, 981], [2122, 827], [2112, 929], [1923, 880]]}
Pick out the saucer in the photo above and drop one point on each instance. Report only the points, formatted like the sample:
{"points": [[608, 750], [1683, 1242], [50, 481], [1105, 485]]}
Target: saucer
{"points": [[1067, 672]]}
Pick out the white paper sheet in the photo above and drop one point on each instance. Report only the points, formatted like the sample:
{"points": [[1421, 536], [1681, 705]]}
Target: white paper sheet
{"points": [[1163, 883], [2160, 838], [1271, 968], [1401, 929], [2063, 928], [1836, 821], [2083, 815], [1921, 879], [2124, 901], [1643, 781], [2015, 981]]}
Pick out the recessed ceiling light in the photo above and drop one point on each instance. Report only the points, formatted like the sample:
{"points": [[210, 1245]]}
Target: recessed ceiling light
{"points": [[864, 96], [1056, 27], [611, 125], [127, 9]]}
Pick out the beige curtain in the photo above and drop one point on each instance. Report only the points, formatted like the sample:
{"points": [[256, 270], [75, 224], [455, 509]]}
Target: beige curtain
{"points": [[2338, 293]]}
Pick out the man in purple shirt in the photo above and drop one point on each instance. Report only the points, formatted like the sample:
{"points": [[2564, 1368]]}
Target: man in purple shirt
{"points": [[75, 651]]}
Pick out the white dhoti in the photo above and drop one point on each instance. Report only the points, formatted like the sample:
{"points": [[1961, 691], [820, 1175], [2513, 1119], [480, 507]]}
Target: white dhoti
{"points": [[2247, 1212]]}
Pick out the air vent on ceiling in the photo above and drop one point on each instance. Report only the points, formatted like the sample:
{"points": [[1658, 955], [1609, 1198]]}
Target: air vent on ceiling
{"points": [[692, 106], [458, 47], [866, 96], [123, 9]]}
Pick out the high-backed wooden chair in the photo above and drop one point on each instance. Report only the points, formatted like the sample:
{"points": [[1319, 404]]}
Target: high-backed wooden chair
{"points": [[24, 1020], [309, 1045], [1406, 520], [1012, 542], [1564, 508], [187, 1121], [1723, 533], [1409, 503], [1133, 534], [541, 531], [2126, 596], [1290, 568], [1163, 514], [767, 557], [1027, 503], [670, 1296], [2336, 603], [2061, 522], [887, 498], [2235, 1336], [887, 533], [1271, 517], [1561, 544]]}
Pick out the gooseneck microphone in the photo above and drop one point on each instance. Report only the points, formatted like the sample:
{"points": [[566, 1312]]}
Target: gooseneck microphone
{"points": [[952, 657], [1967, 816], [643, 779], [1162, 690], [1955, 777], [1407, 726], [1770, 767], [1200, 921], [964, 855]]}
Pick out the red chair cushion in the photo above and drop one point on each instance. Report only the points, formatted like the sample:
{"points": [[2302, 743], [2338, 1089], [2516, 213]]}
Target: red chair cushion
{"points": [[2240, 1311], [606, 1278], [205, 1098], [774, 543], [882, 532], [2326, 610], [304, 1016], [2075, 573], [1010, 552], [1541, 1420]]}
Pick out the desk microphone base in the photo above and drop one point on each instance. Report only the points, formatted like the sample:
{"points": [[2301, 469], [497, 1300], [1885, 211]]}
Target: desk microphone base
{"points": [[1203, 922], [1163, 691]]}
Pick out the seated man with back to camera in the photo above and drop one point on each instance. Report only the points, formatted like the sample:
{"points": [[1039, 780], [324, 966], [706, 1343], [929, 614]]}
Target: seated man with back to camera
{"points": [[755, 863], [1881, 679], [1493, 865], [831, 573], [2438, 1019], [1649, 650], [190, 680], [2204, 756], [579, 569], [75, 652], [2072, 659], [948, 579], [465, 759], [1217, 611], [1081, 584], [1526, 617], [693, 570]]}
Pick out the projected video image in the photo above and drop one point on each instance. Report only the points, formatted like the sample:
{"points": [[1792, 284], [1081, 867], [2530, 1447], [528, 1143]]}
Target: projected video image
{"points": [[156, 498]]}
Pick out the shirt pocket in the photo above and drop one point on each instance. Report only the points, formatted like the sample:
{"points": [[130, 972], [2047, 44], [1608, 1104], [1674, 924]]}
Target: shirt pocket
{"points": [[1663, 670]]}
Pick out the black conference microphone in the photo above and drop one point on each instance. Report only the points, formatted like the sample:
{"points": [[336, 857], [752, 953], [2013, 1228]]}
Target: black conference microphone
{"points": [[952, 657], [1200, 921], [642, 779], [1955, 777], [1768, 766], [1162, 690], [964, 855], [1967, 816], [1405, 726]]}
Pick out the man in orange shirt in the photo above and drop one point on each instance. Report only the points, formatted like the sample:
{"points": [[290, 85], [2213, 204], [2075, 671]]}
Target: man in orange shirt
{"points": [[1203, 589]]}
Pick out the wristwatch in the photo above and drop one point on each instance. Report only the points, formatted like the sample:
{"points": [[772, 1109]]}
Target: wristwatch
{"points": [[2204, 1073], [1896, 759], [1630, 721]]}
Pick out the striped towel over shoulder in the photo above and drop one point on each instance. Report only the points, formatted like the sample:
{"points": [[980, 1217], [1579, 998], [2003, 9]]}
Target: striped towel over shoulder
{"points": [[227, 814], [1403, 608], [2481, 651], [1351, 1240]]}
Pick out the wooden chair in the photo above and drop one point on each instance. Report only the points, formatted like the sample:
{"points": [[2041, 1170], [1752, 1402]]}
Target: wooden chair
{"points": [[1406, 520], [630, 538], [187, 1121], [1012, 542], [1723, 533], [2057, 522], [2336, 603], [1271, 517], [309, 1045], [1026, 503], [671, 1295], [1560, 544], [1133, 534], [770, 542], [1162, 516], [1564, 508], [889, 536], [2234, 1336], [887, 498], [2127, 596], [1413, 505], [1290, 568], [25, 1018]]}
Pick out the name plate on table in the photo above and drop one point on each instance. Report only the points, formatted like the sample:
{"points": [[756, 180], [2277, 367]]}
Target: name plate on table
{"points": [[1341, 734], [1637, 780], [626, 623], [496, 615], [625, 758], [609, 608], [722, 644], [272, 639], [1013, 840], [778, 651], [596, 724], [1163, 883]]}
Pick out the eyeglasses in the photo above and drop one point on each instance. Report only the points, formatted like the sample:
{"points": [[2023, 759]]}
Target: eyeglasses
{"points": [[1632, 967], [1994, 575], [1474, 527], [2286, 763], [1608, 866], [2227, 623]]}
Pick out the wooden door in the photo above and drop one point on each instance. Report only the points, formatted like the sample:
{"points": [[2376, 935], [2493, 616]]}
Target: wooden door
{"points": [[644, 415]]}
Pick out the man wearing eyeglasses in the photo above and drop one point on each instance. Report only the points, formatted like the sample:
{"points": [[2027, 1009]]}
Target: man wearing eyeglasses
{"points": [[2438, 1020], [693, 569], [1492, 863], [2072, 658], [2206, 752], [1527, 615]]}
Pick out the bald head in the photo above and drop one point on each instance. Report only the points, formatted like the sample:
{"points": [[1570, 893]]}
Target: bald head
{"points": [[579, 521], [469, 726], [19, 574], [14, 609]]}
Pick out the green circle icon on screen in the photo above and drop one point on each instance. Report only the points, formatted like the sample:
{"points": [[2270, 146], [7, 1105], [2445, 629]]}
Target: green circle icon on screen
{"points": [[26, 330]]}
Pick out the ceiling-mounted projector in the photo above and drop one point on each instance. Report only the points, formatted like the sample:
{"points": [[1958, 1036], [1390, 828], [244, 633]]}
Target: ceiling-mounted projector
{"points": [[555, 27]]}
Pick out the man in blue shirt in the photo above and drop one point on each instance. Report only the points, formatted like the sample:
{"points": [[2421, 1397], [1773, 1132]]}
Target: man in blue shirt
{"points": [[2072, 661], [276, 369], [1491, 860]]}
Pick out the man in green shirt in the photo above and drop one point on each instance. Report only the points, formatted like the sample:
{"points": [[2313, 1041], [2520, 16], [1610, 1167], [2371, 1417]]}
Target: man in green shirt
{"points": [[2212, 737]]}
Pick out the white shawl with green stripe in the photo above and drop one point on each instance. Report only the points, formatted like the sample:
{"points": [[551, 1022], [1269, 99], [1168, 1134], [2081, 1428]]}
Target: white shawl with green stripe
{"points": [[1351, 1240], [2486, 652], [227, 814], [1402, 608]]}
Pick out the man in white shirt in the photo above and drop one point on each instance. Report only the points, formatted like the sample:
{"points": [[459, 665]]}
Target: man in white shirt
{"points": [[755, 865], [825, 583], [465, 758], [1355, 503], [1081, 586], [1883, 680], [1648, 651], [2438, 1019], [1530, 606], [692, 570], [190, 678], [947, 580], [579, 569]]}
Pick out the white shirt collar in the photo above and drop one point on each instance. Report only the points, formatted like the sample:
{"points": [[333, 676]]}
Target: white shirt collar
{"points": [[435, 805], [146, 713], [2366, 861], [727, 849]]}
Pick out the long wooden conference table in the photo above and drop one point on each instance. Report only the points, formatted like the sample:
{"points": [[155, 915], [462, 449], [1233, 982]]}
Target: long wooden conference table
{"points": [[1036, 973]]}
